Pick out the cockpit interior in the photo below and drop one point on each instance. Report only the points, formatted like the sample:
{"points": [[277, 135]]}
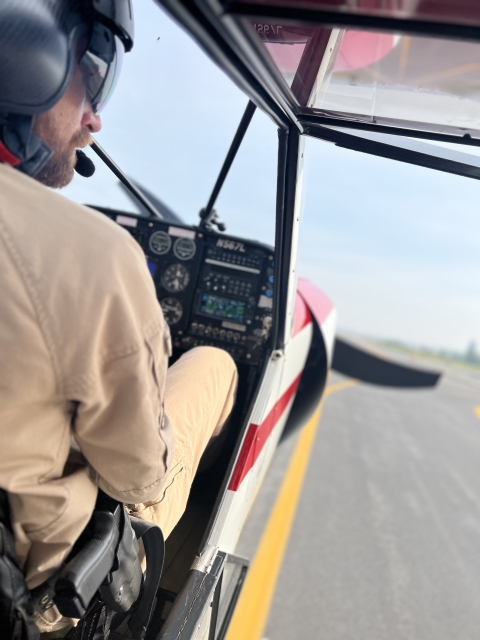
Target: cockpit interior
{"points": [[215, 290]]}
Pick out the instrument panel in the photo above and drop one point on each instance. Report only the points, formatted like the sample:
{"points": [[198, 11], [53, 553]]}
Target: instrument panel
{"points": [[213, 289]]}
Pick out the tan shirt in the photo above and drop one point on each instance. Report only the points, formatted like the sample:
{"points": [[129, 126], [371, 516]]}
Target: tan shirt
{"points": [[84, 350]]}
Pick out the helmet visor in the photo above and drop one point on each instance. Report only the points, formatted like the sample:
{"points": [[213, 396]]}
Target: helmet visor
{"points": [[101, 65]]}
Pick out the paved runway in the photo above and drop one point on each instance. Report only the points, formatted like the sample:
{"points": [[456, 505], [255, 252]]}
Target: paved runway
{"points": [[386, 539]]}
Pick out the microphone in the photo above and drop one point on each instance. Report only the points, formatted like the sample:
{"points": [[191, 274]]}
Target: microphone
{"points": [[84, 166]]}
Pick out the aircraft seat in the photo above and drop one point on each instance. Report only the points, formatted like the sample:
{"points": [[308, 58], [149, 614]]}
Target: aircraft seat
{"points": [[100, 583]]}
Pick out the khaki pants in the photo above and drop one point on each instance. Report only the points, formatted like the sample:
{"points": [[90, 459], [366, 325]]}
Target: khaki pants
{"points": [[199, 395]]}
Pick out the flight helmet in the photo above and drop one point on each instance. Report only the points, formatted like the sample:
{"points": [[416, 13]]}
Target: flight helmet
{"points": [[40, 41]]}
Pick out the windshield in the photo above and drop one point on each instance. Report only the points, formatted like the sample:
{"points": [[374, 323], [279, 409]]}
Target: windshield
{"points": [[169, 125]]}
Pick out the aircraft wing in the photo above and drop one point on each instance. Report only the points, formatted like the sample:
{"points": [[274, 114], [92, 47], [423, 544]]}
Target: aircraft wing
{"points": [[368, 367]]}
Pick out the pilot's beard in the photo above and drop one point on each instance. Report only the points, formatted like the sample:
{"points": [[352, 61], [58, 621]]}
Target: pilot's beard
{"points": [[59, 170]]}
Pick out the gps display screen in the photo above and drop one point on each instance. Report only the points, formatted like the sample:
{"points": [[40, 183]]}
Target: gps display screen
{"points": [[220, 307]]}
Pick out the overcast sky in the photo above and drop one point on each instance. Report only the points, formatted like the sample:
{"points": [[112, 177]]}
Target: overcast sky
{"points": [[396, 247]]}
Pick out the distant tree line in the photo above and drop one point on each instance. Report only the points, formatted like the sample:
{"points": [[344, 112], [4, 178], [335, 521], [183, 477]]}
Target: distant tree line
{"points": [[471, 354]]}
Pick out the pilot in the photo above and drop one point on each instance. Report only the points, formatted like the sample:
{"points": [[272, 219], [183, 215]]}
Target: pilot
{"points": [[86, 400]]}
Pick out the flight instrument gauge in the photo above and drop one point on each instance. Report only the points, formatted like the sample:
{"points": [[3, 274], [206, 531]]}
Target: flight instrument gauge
{"points": [[184, 248], [172, 310], [176, 278], [160, 243]]}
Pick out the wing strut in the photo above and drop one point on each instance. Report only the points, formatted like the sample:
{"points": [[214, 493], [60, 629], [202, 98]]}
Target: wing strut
{"points": [[207, 215]]}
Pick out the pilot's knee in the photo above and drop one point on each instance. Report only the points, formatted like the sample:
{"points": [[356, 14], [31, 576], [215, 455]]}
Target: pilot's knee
{"points": [[214, 353], [218, 360]]}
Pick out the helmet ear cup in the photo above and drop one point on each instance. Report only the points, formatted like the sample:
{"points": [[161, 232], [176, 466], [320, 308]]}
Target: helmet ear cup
{"points": [[35, 55]]}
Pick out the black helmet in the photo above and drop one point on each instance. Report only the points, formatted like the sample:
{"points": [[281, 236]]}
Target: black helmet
{"points": [[39, 42]]}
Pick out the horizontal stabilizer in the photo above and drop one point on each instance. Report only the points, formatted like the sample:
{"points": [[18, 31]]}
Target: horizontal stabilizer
{"points": [[367, 367]]}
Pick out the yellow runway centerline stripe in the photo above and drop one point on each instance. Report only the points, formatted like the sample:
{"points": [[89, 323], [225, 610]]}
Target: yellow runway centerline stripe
{"points": [[251, 612], [476, 411]]}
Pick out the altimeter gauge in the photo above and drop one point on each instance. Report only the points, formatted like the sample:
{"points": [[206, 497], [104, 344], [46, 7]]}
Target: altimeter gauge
{"points": [[172, 310], [184, 248], [176, 278], [160, 243]]}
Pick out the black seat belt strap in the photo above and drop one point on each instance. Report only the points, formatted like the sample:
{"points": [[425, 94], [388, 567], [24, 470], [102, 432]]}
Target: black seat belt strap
{"points": [[154, 544]]}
